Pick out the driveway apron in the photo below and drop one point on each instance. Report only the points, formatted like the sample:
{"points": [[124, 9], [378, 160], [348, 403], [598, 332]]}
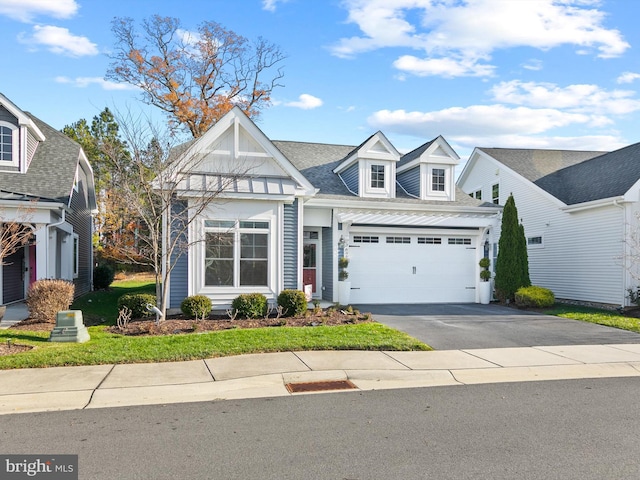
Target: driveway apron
{"points": [[466, 326]]}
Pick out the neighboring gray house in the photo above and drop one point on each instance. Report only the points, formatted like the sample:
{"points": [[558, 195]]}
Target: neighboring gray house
{"points": [[409, 234], [46, 183], [579, 210]]}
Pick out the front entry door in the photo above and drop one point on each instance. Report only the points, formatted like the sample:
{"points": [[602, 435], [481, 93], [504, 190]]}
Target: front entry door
{"points": [[309, 266]]}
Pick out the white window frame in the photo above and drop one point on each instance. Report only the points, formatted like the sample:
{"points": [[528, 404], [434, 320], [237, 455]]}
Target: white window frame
{"points": [[494, 199], [235, 228], [369, 190], [447, 181], [377, 174], [15, 150]]}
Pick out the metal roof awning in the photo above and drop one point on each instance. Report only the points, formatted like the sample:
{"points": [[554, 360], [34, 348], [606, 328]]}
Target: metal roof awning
{"points": [[440, 220], [239, 184]]}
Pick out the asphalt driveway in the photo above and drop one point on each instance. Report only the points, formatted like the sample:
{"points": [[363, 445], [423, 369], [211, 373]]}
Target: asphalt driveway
{"points": [[462, 326]]}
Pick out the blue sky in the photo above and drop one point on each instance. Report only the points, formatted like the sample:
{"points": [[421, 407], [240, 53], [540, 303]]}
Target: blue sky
{"points": [[493, 73]]}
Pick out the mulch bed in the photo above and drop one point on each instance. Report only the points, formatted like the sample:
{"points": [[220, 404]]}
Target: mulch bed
{"points": [[178, 324]]}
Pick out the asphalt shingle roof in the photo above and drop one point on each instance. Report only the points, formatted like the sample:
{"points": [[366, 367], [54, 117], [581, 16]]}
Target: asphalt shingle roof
{"points": [[534, 164], [575, 176], [52, 171], [605, 176]]}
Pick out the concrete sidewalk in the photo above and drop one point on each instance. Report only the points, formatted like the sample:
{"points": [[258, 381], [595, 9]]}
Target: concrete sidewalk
{"points": [[267, 375]]}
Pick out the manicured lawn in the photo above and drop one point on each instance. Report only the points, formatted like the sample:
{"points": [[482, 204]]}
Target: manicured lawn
{"points": [[101, 307], [104, 347], [593, 315]]}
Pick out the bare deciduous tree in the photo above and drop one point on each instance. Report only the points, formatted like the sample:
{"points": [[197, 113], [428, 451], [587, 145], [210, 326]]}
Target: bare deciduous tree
{"points": [[161, 190], [14, 233], [195, 77]]}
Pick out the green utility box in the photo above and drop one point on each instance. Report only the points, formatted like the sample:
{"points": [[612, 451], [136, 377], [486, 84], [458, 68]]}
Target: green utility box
{"points": [[69, 327]]}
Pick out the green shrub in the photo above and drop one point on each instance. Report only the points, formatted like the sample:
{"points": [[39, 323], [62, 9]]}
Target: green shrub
{"points": [[293, 303], [45, 298], [196, 306], [103, 276], [137, 303], [534, 296], [250, 305]]}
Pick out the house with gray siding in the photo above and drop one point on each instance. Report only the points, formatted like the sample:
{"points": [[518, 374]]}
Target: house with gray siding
{"points": [[46, 184], [294, 208], [579, 210]]}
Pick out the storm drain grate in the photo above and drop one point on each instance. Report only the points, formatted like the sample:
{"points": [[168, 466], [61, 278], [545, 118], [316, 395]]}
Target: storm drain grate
{"points": [[320, 386]]}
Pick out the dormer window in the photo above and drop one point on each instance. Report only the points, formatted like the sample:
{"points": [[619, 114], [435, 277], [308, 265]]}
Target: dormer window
{"points": [[437, 180], [377, 176], [8, 144]]}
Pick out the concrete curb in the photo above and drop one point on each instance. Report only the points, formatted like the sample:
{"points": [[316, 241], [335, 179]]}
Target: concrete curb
{"points": [[265, 375]]}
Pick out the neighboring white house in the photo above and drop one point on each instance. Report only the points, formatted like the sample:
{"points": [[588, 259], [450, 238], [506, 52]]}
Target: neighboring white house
{"points": [[46, 183], [579, 212], [409, 234]]}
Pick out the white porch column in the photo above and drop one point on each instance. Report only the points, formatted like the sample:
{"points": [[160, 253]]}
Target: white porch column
{"points": [[42, 248]]}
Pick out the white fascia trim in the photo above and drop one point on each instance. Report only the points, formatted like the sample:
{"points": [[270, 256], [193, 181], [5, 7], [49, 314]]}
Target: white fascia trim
{"points": [[594, 204], [454, 158]]}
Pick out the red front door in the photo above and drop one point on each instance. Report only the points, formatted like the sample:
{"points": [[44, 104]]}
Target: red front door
{"points": [[309, 269]]}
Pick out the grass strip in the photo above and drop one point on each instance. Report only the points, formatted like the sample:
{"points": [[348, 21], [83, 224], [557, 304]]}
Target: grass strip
{"points": [[107, 348], [594, 315]]}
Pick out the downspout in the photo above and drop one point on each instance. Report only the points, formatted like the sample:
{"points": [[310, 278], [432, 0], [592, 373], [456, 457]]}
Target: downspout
{"points": [[616, 203]]}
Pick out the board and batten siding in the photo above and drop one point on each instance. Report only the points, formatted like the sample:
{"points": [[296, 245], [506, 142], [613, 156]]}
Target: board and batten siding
{"points": [[327, 264], [580, 255], [291, 245], [350, 177], [410, 181]]}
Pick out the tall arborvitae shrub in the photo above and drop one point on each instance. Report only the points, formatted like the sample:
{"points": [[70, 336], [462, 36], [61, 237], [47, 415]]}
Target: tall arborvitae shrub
{"points": [[512, 264]]}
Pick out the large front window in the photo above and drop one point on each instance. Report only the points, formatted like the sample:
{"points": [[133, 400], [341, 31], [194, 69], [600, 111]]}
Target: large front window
{"points": [[236, 253]]}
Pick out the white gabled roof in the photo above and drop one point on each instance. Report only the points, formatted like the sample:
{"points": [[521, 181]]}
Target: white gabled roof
{"points": [[376, 147], [237, 138]]}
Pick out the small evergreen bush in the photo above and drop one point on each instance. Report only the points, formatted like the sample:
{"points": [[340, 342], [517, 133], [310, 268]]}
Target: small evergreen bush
{"points": [[250, 305], [137, 303], [196, 306], [45, 298], [534, 296], [293, 303], [103, 276]]}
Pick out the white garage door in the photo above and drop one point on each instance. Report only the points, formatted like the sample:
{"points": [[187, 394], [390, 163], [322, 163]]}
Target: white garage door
{"points": [[412, 268]]}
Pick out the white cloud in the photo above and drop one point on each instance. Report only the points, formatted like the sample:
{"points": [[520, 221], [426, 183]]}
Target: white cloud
{"points": [[533, 64], [469, 31], [25, 10], [83, 82], [480, 121], [444, 67], [59, 40], [584, 98], [628, 77], [271, 5], [305, 102]]}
